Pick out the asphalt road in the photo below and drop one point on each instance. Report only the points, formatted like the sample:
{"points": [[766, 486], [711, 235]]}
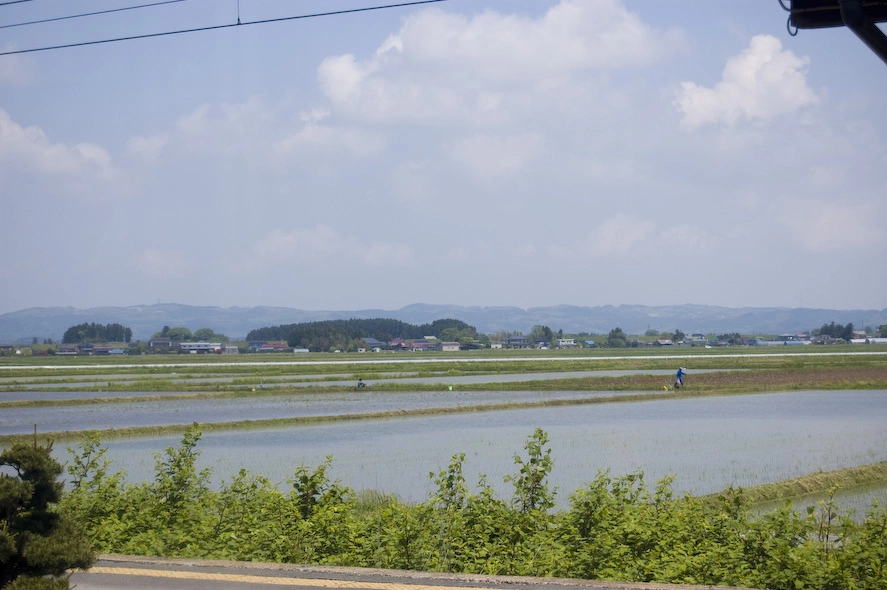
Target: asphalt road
{"points": [[140, 573]]}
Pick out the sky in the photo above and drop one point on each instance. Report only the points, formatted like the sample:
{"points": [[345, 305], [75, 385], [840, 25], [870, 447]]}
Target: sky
{"points": [[472, 152]]}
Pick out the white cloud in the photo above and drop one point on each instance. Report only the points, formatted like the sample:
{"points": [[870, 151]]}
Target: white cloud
{"points": [[253, 114], [255, 133], [313, 137], [314, 115], [66, 168], [341, 78], [761, 83], [148, 148], [573, 35], [322, 245], [443, 65]]}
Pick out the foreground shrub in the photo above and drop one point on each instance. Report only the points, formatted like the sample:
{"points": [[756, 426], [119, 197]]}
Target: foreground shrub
{"points": [[613, 528]]}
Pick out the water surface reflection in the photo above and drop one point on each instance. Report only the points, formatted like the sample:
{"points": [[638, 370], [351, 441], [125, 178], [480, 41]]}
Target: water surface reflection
{"points": [[709, 443]]}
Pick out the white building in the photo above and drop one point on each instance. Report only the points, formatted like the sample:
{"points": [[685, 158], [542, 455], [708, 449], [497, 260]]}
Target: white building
{"points": [[200, 348]]}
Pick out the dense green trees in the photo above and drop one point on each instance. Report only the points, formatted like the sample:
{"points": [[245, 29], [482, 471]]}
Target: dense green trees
{"points": [[837, 330], [615, 528], [540, 333], [348, 334], [733, 339], [36, 540], [617, 338], [176, 334], [464, 336], [96, 333], [183, 334]]}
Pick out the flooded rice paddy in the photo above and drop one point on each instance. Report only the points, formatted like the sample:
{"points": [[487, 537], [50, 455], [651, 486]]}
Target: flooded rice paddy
{"points": [[186, 410], [707, 443]]}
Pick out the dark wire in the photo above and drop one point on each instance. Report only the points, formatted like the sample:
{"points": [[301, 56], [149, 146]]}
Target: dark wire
{"points": [[216, 27], [49, 20], [13, 2]]}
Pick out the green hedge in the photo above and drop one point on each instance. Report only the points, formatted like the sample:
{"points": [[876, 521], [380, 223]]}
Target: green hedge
{"points": [[615, 528]]}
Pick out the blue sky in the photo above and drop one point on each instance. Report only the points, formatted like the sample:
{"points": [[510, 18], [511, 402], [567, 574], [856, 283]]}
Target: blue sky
{"points": [[472, 152]]}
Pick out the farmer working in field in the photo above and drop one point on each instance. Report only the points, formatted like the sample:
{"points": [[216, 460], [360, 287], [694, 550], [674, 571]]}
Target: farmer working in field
{"points": [[679, 378]]}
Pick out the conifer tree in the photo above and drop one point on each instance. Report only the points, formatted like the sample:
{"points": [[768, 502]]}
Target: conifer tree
{"points": [[36, 539]]}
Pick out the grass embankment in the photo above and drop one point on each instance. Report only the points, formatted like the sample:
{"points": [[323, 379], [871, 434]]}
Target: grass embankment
{"points": [[815, 483], [723, 383], [726, 382], [455, 364]]}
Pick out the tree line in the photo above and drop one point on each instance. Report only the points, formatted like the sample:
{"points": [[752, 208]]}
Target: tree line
{"points": [[183, 334], [96, 333], [349, 334], [332, 335], [837, 331]]}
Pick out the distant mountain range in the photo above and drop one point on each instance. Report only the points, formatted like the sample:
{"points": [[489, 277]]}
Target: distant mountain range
{"points": [[20, 327]]}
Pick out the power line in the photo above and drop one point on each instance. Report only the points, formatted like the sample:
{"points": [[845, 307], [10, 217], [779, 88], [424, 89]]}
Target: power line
{"points": [[216, 27], [14, 2], [49, 20]]}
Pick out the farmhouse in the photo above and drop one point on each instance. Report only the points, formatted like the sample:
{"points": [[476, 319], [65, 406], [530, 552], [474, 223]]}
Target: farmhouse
{"points": [[161, 344], [200, 348], [516, 342]]}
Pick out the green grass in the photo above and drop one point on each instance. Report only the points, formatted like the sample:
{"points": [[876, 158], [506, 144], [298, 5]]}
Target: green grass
{"points": [[816, 483]]}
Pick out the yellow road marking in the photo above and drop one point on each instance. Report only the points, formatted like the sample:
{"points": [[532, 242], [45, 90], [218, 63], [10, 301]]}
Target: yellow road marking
{"points": [[271, 580]]}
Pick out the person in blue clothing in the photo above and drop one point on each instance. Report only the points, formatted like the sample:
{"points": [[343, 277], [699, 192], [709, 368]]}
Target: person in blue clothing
{"points": [[679, 377]]}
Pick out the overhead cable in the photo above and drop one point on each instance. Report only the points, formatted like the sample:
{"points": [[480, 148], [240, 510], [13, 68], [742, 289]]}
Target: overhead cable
{"points": [[14, 2], [49, 20], [226, 26]]}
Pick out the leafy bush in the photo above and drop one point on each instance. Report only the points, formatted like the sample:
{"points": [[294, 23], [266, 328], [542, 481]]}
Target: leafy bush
{"points": [[614, 528]]}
